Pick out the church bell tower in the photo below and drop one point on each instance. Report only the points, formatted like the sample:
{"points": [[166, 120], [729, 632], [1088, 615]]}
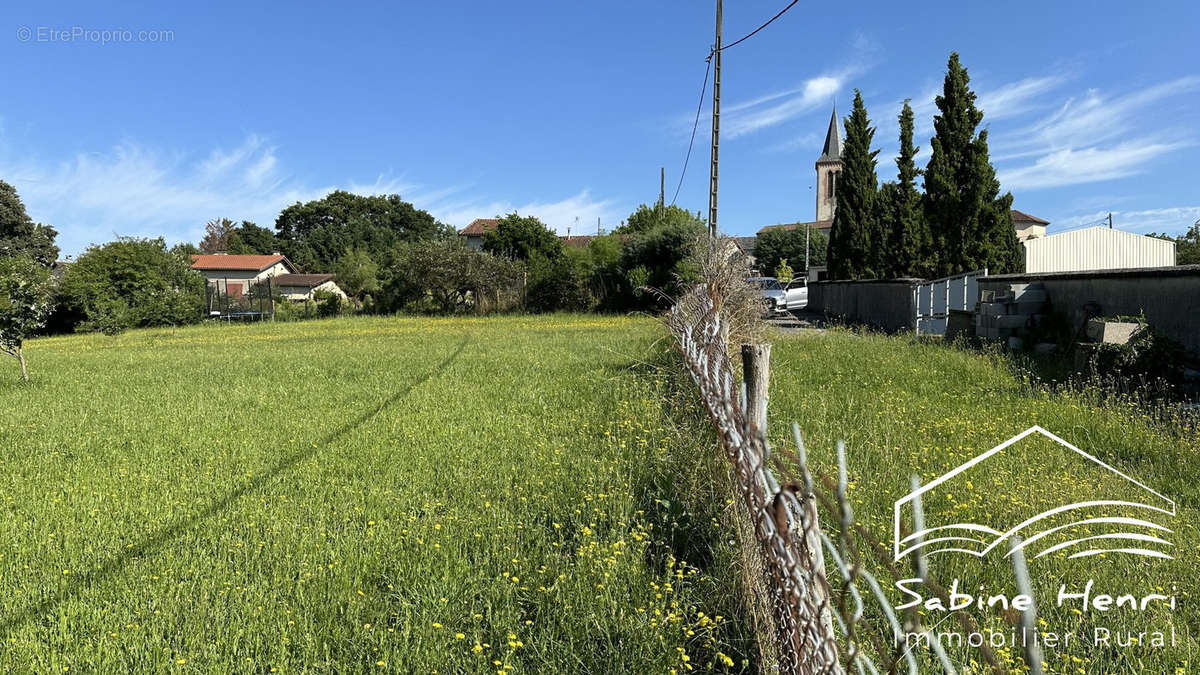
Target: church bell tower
{"points": [[829, 166]]}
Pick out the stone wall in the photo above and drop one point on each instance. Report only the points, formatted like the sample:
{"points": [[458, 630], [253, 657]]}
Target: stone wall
{"points": [[887, 304], [1169, 297]]}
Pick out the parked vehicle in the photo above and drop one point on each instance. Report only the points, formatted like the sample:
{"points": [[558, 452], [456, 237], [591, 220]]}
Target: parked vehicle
{"points": [[781, 298]]}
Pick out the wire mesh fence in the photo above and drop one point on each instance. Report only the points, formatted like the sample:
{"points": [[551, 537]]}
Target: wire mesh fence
{"points": [[242, 299], [818, 626]]}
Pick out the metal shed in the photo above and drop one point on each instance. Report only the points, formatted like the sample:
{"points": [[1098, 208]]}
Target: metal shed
{"points": [[1096, 248]]}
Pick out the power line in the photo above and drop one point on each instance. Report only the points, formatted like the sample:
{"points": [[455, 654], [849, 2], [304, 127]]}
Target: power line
{"points": [[704, 88], [699, 107], [768, 23]]}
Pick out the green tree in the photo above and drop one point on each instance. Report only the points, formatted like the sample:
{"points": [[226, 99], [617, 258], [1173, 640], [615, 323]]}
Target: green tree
{"points": [[24, 304], [216, 236], [251, 239], [971, 224], [19, 235], [357, 274], [784, 272], [855, 247], [646, 218], [521, 238], [315, 234], [910, 253], [606, 276], [444, 276], [559, 284], [1187, 245], [185, 249], [132, 283], [659, 258], [779, 243]]}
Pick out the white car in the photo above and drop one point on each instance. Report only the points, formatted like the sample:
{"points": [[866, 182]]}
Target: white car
{"points": [[781, 298]]}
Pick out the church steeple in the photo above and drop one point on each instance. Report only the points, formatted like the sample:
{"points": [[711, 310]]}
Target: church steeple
{"points": [[832, 152], [829, 165]]}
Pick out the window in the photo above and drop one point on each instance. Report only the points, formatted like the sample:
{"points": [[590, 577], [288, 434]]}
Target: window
{"points": [[831, 177]]}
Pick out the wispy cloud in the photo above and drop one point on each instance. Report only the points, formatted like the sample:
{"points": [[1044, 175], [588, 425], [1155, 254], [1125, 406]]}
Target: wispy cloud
{"points": [[133, 190], [1173, 220], [768, 111], [1007, 100], [1087, 165], [1094, 118], [1016, 98], [1074, 144]]}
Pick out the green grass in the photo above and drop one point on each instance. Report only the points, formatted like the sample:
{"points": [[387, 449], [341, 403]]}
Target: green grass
{"points": [[906, 407], [398, 495]]}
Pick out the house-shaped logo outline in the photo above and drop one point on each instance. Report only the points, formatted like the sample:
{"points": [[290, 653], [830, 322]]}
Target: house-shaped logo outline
{"points": [[1002, 536]]}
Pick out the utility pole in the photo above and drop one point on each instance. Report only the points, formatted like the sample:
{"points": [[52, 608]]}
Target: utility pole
{"points": [[807, 230], [1110, 220], [662, 192], [716, 130]]}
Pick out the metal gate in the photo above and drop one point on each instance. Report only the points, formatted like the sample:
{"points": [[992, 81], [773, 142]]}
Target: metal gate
{"points": [[937, 297]]}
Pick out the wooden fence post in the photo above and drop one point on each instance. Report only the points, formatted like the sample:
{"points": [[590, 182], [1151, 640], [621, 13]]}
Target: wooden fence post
{"points": [[756, 371]]}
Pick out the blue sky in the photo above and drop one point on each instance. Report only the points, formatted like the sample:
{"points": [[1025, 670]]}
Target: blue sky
{"points": [[566, 110]]}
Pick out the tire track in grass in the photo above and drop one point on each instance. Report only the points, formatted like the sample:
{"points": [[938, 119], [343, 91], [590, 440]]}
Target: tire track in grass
{"points": [[167, 535]]}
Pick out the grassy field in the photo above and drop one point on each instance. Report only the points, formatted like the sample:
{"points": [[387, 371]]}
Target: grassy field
{"points": [[398, 495], [908, 408]]}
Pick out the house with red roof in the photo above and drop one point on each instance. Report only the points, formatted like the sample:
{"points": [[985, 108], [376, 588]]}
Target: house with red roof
{"points": [[235, 274], [474, 232]]}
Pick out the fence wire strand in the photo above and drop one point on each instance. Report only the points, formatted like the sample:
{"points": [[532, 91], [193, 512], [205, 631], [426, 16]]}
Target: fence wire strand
{"points": [[784, 515]]}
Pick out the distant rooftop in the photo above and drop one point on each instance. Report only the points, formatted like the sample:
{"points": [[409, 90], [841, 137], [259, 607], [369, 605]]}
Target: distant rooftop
{"points": [[301, 280], [241, 263], [1022, 217], [823, 225], [479, 227]]}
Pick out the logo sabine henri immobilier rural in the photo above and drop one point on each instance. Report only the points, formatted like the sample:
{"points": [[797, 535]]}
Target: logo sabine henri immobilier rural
{"points": [[1129, 518]]}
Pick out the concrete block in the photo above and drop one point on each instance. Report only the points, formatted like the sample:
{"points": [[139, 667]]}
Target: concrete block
{"points": [[1012, 321], [1030, 295], [992, 308], [1112, 332], [1034, 307], [1045, 348]]}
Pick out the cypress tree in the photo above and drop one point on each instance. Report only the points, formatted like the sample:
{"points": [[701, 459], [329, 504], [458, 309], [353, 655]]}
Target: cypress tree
{"points": [[912, 249], [855, 226], [970, 223]]}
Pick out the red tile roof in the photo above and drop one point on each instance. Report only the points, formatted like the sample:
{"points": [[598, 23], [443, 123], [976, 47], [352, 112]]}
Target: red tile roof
{"points": [[241, 263], [479, 226], [816, 225], [577, 240], [1022, 217]]}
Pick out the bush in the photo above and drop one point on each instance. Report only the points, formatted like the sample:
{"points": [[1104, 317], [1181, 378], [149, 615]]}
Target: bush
{"points": [[444, 276], [292, 310], [1150, 362], [328, 304], [132, 283]]}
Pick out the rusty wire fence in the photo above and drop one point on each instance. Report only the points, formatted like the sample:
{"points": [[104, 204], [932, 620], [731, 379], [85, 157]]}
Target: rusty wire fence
{"points": [[817, 625]]}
